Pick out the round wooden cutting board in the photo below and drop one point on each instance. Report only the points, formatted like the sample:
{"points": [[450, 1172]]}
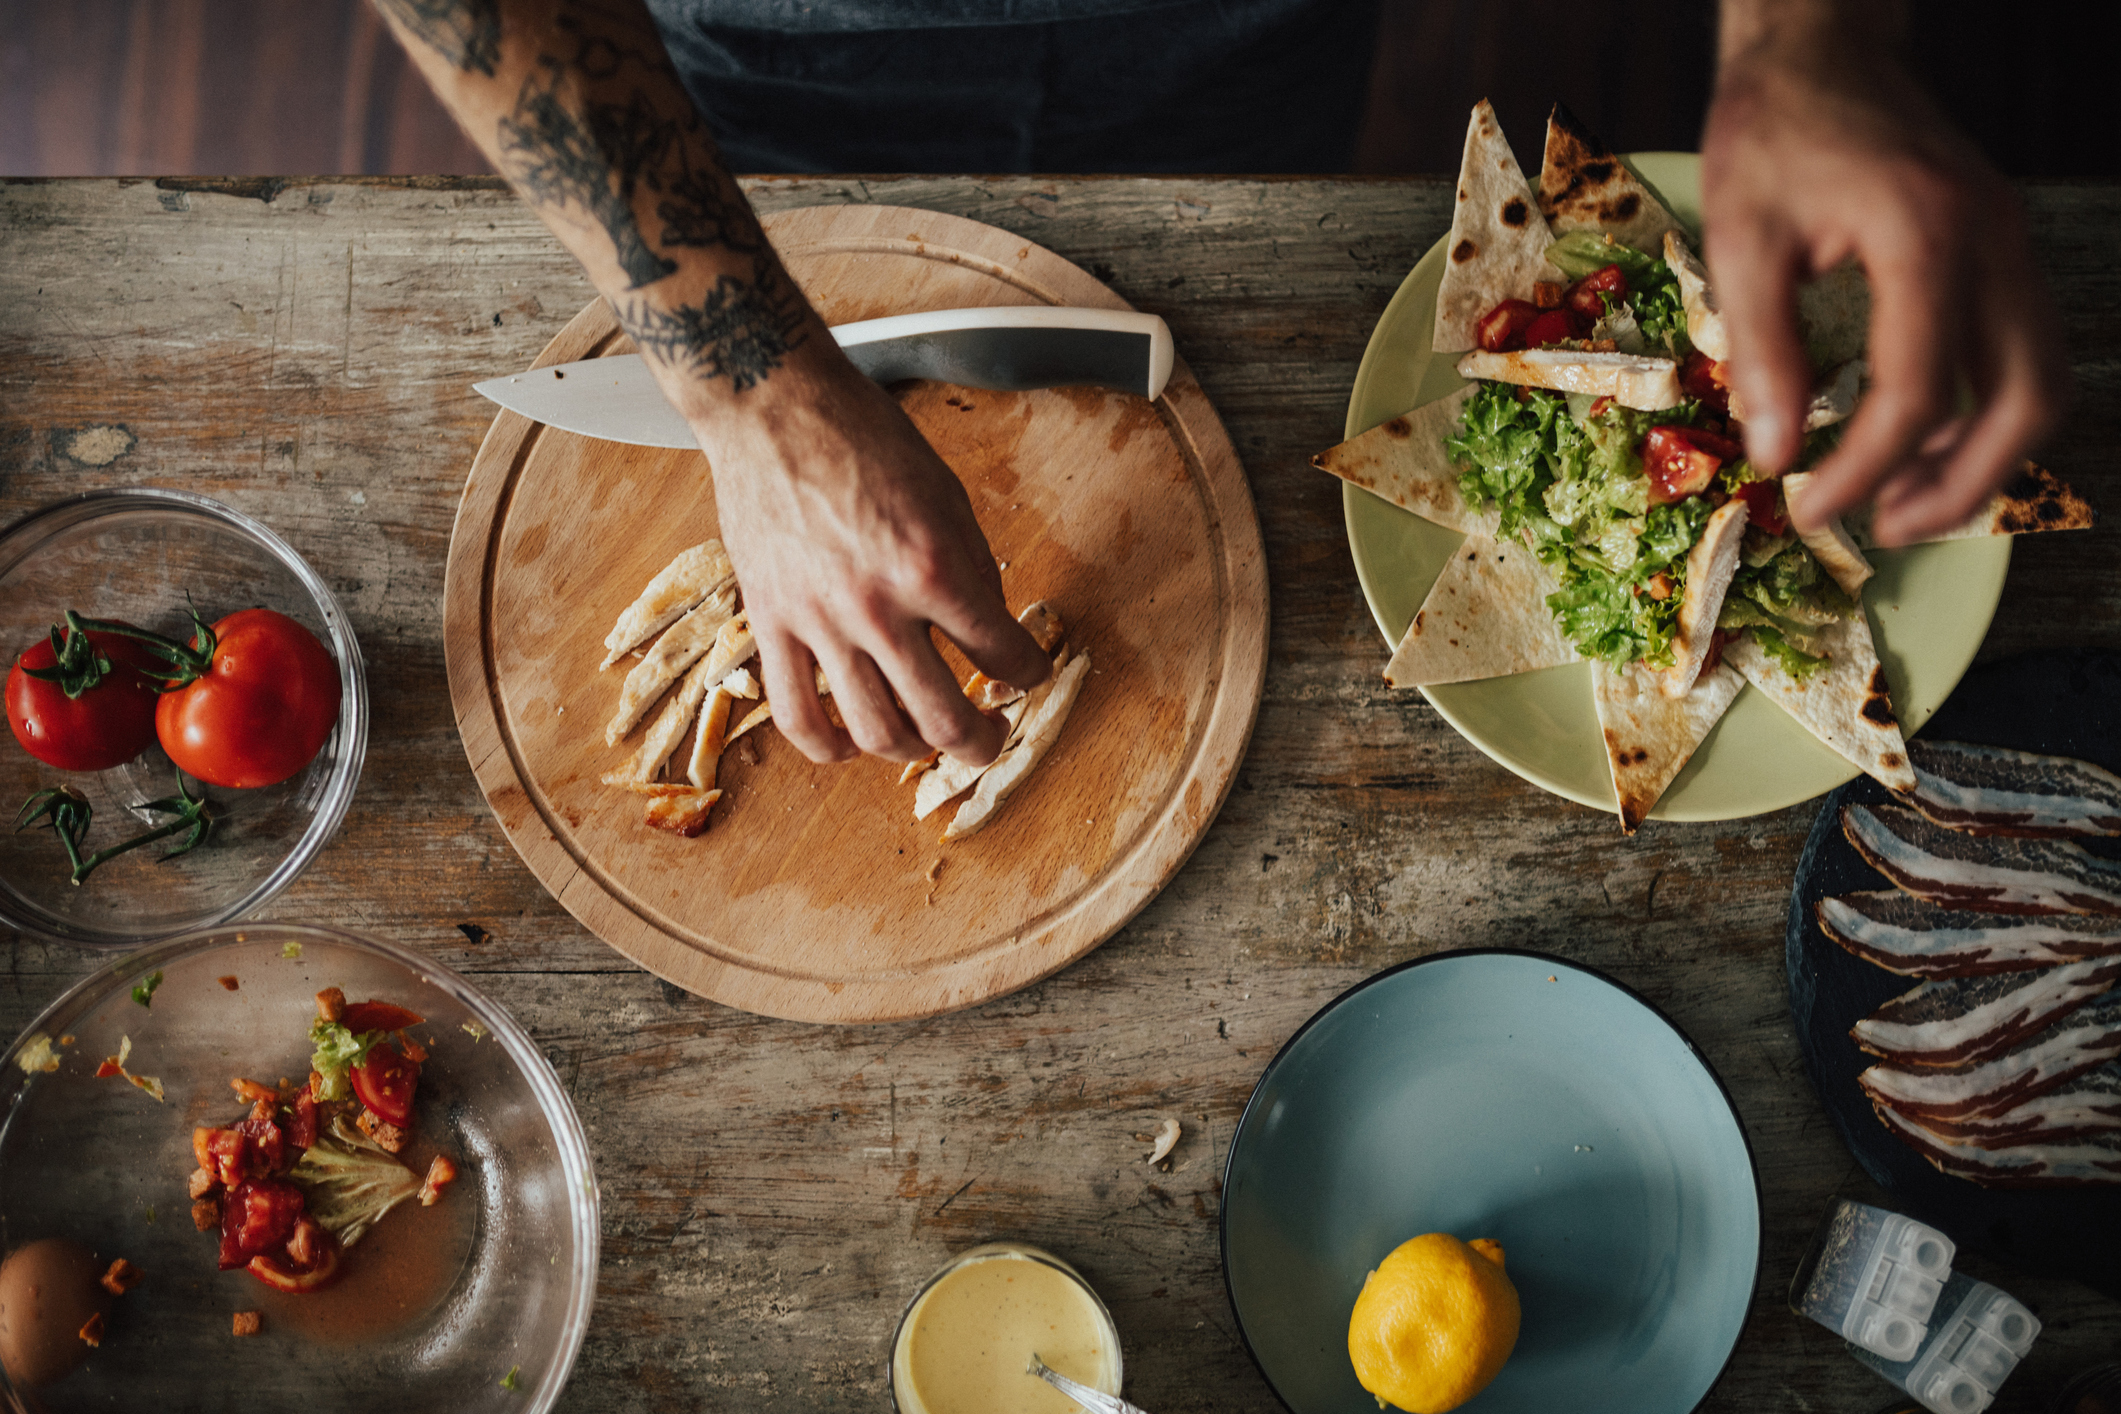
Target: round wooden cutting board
{"points": [[814, 895]]}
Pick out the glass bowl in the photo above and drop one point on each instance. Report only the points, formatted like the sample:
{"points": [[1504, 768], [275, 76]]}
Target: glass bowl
{"points": [[979, 1353], [435, 1306], [134, 555]]}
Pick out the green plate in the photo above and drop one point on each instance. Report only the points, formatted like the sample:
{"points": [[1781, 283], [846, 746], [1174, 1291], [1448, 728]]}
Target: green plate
{"points": [[1930, 605]]}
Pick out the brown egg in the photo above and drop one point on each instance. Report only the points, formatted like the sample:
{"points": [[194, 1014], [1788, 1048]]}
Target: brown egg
{"points": [[48, 1291]]}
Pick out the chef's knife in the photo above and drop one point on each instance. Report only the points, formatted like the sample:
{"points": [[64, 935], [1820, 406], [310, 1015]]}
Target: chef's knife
{"points": [[1007, 348]]}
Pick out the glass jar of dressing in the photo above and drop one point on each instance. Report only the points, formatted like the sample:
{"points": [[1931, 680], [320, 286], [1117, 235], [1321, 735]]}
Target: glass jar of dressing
{"points": [[970, 1331]]}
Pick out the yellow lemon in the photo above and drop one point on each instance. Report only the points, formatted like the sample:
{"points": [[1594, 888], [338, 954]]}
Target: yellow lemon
{"points": [[1434, 1323]]}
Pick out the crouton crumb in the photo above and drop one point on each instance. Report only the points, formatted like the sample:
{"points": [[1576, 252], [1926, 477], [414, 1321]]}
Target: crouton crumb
{"points": [[122, 1277], [387, 1136], [249, 1322], [206, 1214], [92, 1329], [228, 984], [331, 1004]]}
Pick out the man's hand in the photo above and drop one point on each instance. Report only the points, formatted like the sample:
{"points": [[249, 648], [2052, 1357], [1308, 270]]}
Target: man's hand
{"points": [[1819, 148], [851, 538]]}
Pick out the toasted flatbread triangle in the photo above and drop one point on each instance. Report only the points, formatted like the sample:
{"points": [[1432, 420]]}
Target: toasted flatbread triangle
{"points": [[2036, 499], [1845, 704], [1404, 461], [1497, 249], [1648, 736], [1584, 187], [1486, 617]]}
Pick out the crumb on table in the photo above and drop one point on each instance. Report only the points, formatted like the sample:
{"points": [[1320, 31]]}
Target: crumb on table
{"points": [[249, 1322], [228, 984]]}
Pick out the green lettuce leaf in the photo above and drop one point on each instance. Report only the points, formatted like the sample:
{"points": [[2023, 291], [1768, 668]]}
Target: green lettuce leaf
{"points": [[337, 1049], [350, 1181]]}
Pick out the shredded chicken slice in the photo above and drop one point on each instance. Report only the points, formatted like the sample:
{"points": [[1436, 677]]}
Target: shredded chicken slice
{"points": [[1041, 728], [673, 653], [679, 588]]}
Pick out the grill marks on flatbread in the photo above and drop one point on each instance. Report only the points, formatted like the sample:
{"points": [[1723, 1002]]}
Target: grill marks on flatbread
{"points": [[1486, 616], [2034, 500], [1584, 187], [1845, 704], [1403, 460], [1497, 248], [1649, 737]]}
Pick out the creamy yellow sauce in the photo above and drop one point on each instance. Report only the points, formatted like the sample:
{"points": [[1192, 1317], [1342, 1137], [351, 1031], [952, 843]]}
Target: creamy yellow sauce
{"points": [[963, 1347]]}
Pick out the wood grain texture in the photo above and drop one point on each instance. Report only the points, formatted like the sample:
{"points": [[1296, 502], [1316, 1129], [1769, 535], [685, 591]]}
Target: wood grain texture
{"points": [[814, 894], [773, 1191]]}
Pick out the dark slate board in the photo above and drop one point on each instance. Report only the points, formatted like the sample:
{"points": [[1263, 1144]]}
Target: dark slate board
{"points": [[2065, 704]]}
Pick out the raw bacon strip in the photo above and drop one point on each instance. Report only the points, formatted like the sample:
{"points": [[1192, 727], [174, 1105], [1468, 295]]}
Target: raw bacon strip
{"points": [[2084, 1040], [1917, 938], [2088, 1107], [1986, 790], [1994, 876], [1958, 1020], [2061, 1165]]}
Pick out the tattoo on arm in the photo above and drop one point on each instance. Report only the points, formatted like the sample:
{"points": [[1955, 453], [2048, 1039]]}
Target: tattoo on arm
{"points": [[465, 32], [600, 153], [740, 330], [594, 160]]}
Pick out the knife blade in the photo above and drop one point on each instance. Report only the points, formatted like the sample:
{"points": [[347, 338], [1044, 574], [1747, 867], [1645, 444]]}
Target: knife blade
{"points": [[1007, 348]]}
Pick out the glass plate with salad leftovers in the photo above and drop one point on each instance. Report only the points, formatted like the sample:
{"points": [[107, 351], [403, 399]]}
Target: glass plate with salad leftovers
{"points": [[265, 1162], [1601, 501]]}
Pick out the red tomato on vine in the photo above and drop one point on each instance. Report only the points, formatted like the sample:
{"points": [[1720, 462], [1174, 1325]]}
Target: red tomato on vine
{"points": [[259, 696], [83, 701]]}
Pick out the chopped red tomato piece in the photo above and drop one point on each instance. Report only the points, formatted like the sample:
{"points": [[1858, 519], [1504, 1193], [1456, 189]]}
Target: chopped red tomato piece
{"points": [[1701, 378], [1502, 328], [1586, 296], [1598, 408], [1551, 328], [377, 1016], [258, 1216], [1763, 506], [224, 1153], [268, 1145], [300, 1126], [385, 1082], [109, 1068], [1682, 461]]}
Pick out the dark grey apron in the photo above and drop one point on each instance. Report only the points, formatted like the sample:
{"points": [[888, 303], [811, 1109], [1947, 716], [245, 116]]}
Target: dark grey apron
{"points": [[1026, 85]]}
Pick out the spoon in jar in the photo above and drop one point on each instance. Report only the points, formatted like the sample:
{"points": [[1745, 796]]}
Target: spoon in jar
{"points": [[1094, 1400]]}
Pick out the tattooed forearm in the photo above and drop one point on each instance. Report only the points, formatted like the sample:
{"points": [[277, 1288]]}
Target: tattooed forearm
{"points": [[465, 32], [593, 159], [703, 210], [741, 330]]}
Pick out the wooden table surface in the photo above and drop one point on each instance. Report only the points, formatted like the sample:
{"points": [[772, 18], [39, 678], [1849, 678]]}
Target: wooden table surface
{"points": [[772, 1192]]}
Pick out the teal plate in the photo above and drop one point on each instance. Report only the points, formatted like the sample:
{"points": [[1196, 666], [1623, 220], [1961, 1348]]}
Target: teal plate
{"points": [[1503, 1094]]}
